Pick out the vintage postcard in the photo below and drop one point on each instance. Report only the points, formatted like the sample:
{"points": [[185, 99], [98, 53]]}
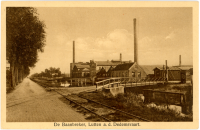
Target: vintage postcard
{"points": [[99, 65]]}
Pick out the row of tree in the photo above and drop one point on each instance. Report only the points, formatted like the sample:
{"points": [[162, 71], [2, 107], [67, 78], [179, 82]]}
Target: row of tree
{"points": [[49, 73], [25, 37]]}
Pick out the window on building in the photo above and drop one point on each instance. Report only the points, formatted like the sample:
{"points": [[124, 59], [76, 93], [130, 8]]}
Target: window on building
{"points": [[139, 74], [133, 74]]}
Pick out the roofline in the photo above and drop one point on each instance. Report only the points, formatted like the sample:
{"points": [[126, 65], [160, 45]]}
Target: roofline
{"points": [[132, 65], [142, 69]]}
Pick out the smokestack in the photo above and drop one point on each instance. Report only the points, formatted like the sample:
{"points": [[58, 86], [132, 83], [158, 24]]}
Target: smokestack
{"points": [[120, 57], [179, 60], [135, 41], [73, 51]]}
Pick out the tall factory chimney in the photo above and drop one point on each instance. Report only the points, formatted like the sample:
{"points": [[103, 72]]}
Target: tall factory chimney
{"points": [[179, 60], [73, 51], [120, 57], [135, 41]]}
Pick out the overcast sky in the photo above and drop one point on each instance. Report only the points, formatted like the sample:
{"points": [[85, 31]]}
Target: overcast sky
{"points": [[104, 33]]}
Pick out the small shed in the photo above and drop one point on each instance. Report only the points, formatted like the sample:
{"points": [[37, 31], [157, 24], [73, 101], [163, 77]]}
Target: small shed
{"points": [[186, 73], [174, 74]]}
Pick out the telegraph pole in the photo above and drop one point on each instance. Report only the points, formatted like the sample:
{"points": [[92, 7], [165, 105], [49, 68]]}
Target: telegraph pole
{"points": [[166, 71]]}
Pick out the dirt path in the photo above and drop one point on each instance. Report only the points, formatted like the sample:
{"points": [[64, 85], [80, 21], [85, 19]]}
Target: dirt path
{"points": [[29, 102]]}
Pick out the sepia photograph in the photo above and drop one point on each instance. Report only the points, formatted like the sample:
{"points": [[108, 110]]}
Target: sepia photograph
{"points": [[100, 67]]}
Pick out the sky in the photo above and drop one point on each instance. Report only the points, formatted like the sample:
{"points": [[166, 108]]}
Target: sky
{"points": [[101, 34]]}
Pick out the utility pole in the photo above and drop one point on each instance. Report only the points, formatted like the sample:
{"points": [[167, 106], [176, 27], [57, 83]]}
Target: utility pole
{"points": [[163, 71], [166, 71]]}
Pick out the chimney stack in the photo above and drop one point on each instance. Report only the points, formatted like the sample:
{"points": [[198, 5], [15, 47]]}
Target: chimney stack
{"points": [[179, 60], [120, 57], [135, 41], [73, 51]]}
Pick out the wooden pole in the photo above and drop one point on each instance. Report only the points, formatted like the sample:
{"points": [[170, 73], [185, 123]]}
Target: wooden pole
{"points": [[166, 72]]}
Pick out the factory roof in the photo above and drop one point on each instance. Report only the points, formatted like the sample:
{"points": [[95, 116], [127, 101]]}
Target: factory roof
{"points": [[124, 66], [107, 63], [110, 63], [174, 68], [82, 66], [185, 68], [168, 67]]}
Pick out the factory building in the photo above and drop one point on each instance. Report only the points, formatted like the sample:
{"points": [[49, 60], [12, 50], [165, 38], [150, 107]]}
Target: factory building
{"points": [[90, 69], [128, 70], [120, 68]]}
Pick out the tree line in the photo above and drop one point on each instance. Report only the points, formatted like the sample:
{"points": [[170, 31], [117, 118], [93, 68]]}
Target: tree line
{"points": [[48, 73], [25, 37]]}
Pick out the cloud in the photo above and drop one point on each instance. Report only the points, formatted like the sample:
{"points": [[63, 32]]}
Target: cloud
{"points": [[105, 48], [117, 40], [58, 51]]}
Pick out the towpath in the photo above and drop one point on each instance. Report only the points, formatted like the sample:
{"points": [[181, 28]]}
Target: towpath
{"points": [[29, 102]]}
